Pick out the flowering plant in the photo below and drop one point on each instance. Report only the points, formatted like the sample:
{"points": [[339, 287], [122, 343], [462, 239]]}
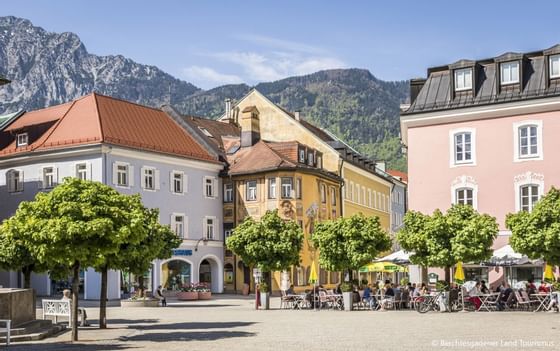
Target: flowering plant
{"points": [[198, 287]]}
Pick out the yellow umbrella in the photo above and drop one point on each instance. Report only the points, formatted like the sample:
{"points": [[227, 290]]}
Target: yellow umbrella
{"points": [[548, 274], [313, 275], [459, 273]]}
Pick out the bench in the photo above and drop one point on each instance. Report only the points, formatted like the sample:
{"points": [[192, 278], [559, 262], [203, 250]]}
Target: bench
{"points": [[58, 308], [8, 324]]}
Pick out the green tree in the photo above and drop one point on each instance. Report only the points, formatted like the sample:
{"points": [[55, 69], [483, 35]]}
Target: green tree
{"points": [[271, 243], [76, 225], [442, 240], [537, 233], [349, 243]]}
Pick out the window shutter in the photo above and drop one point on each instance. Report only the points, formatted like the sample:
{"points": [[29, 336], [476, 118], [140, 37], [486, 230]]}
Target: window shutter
{"points": [[185, 183], [156, 179], [21, 181], [115, 177], [204, 225], [185, 227], [171, 181], [131, 176], [89, 171], [55, 175], [142, 176], [41, 180]]}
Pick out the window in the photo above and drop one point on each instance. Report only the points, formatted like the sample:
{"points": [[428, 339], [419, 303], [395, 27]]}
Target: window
{"points": [[463, 148], [272, 188], [528, 141], [298, 188], [209, 228], [554, 66], [14, 180], [358, 192], [287, 186], [333, 196], [464, 196], [49, 177], [81, 171], [509, 72], [210, 187], [319, 161], [323, 193], [177, 182], [22, 139], [251, 191], [227, 233], [383, 203], [364, 199], [178, 225], [228, 192], [148, 182], [351, 191], [369, 203], [463, 79], [310, 160], [529, 197], [302, 155], [122, 175]]}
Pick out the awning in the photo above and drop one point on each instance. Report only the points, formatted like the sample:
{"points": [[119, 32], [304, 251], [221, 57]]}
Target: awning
{"points": [[506, 256], [399, 257], [383, 267]]}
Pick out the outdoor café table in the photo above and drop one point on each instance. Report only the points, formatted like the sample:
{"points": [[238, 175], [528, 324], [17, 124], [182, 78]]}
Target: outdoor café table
{"points": [[300, 301], [336, 300], [544, 301], [486, 299]]}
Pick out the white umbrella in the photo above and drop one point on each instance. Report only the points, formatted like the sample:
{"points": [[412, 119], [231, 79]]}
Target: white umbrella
{"points": [[520, 285], [398, 256], [469, 285], [506, 252]]}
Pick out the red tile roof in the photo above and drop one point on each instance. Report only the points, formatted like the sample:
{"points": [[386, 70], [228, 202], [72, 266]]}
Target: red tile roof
{"points": [[95, 119], [398, 174]]}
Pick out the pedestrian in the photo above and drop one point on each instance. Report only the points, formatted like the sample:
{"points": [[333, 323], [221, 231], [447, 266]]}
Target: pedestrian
{"points": [[159, 296]]}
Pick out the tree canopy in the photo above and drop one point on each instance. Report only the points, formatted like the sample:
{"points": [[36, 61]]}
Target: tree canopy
{"points": [[271, 243], [442, 240], [349, 243], [537, 233]]}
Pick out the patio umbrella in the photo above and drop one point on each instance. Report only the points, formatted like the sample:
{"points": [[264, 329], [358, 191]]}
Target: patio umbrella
{"points": [[383, 267], [548, 274], [401, 257], [313, 280], [460, 279]]}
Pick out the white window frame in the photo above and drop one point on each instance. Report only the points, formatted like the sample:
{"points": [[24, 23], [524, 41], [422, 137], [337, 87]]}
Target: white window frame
{"points": [[508, 66], [323, 193], [286, 192], [250, 195], [333, 196], [212, 185], [44, 177], [459, 77], [22, 139], [129, 174], [464, 182], [358, 193], [551, 60], [301, 155], [452, 147], [310, 158], [184, 234], [85, 171], [352, 191], [214, 227], [183, 182], [272, 188], [14, 184], [369, 203], [154, 175], [531, 204], [465, 197], [228, 192], [299, 186], [527, 178], [517, 157]]}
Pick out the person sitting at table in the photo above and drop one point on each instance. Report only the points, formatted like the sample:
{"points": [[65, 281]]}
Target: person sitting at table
{"points": [[543, 288], [483, 288], [474, 295], [411, 287], [338, 289], [500, 287], [290, 290], [368, 297], [531, 287], [506, 297]]}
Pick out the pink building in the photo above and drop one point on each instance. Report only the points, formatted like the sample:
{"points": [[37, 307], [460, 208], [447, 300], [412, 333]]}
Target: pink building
{"points": [[485, 133]]}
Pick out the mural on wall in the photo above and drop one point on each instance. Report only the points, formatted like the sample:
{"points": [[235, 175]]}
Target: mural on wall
{"points": [[287, 210]]}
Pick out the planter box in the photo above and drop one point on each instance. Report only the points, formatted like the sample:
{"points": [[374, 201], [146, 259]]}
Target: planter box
{"points": [[265, 300], [348, 298], [187, 295], [204, 295], [140, 303]]}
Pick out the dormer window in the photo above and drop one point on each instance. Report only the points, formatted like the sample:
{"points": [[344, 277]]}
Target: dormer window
{"points": [[22, 139], [554, 66], [302, 155], [463, 79], [509, 72]]}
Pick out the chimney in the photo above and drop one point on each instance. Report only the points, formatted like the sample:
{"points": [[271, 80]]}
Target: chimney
{"points": [[250, 128], [296, 116], [380, 165], [228, 110]]}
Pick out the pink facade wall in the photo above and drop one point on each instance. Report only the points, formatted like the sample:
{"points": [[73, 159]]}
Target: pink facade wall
{"points": [[431, 177]]}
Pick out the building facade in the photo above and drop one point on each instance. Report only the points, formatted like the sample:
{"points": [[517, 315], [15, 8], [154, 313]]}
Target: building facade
{"points": [[482, 133], [136, 150]]}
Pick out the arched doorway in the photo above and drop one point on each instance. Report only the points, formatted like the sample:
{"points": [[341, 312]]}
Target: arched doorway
{"points": [[175, 274], [228, 274], [210, 272]]}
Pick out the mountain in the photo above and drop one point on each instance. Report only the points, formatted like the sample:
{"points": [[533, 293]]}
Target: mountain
{"points": [[50, 68]]}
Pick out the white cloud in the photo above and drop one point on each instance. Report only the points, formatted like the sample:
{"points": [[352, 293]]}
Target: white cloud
{"points": [[201, 75], [281, 44]]}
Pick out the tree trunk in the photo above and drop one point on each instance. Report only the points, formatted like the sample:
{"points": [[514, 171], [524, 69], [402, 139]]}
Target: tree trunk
{"points": [[448, 275], [103, 299], [26, 277], [141, 285], [75, 297]]}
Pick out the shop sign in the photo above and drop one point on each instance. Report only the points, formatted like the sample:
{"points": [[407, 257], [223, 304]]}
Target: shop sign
{"points": [[181, 252]]}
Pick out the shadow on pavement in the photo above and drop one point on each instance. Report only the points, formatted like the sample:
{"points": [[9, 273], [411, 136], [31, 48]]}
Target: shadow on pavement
{"points": [[67, 346], [124, 321], [187, 336], [199, 306], [193, 325]]}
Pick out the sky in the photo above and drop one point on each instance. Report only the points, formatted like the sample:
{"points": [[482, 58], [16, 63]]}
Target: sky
{"points": [[211, 43]]}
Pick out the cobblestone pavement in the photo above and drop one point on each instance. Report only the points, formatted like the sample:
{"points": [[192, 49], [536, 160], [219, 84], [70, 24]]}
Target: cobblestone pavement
{"points": [[230, 323]]}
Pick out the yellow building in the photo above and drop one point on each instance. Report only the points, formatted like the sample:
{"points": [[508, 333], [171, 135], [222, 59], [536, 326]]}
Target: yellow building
{"points": [[366, 188]]}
